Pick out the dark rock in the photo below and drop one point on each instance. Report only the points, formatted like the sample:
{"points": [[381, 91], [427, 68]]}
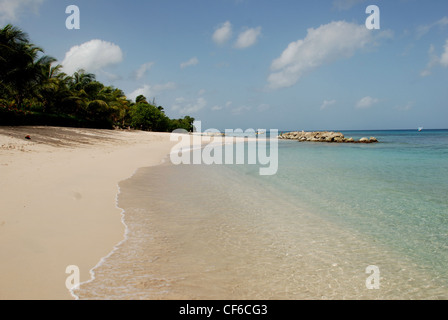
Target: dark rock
{"points": [[323, 136]]}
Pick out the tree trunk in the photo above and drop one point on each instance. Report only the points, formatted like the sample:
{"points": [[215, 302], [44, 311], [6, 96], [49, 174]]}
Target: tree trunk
{"points": [[19, 101]]}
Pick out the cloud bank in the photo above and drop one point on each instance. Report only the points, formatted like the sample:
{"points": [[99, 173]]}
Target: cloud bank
{"points": [[143, 70], [435, 60], [192, 62], [327, 103], [444, 57], [183, 106], [223, 33], [366, 102], [248, 38], [92, 56], [424, 29], [324, 45], [10, 10], [151, 91]]}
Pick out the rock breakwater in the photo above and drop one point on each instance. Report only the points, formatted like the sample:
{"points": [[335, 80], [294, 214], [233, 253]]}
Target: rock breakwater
{"points": [[323, 136]]}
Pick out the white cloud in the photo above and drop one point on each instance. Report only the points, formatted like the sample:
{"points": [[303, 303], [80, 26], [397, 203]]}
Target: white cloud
{"points": [[192, 62], [143, 70], [327, 103], [92, 56], [10, 10], [185, 107], [239, 110], [248, 38], [366, 102], [425, 72], [435, 60], [424, 29], [326, 44], [227, 105], [179, 100], [444, 57], [223, 33], [145, 90], [200, 104], [151, 91]]}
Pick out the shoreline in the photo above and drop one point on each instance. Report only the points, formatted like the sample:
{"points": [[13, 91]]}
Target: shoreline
{"points": [[126, 233], [63, 190], [217, 235], [60, 202]]}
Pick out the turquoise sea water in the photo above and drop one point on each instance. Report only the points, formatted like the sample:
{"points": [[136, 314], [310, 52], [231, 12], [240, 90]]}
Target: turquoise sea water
{"points": [[394, 192], [308, 232]]}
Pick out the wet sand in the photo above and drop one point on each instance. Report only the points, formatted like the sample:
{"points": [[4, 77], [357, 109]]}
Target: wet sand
{"points": [[58, 202]]}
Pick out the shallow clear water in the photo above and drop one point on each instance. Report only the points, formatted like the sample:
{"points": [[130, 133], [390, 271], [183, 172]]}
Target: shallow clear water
{"points": [[308, 232], [395, 192]]}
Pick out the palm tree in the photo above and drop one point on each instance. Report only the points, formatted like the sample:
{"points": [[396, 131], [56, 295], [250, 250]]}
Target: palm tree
{"points": [[119, 104], [82, 87], [28, 77], [10, 39], [54, 92], [97, 101], [21, 68], [141, 99], [81, 79]]}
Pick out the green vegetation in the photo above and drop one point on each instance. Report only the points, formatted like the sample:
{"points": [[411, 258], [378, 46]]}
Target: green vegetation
{"points": [[34, 91]]}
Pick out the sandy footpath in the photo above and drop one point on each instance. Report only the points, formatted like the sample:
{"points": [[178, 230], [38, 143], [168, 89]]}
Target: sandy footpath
{"points": [[58, 202]]}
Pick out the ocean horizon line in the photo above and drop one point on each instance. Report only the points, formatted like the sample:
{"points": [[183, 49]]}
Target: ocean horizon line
{"points": [[348, 130]]}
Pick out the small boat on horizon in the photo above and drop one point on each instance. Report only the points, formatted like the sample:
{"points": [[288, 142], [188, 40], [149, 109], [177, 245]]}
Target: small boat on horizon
{"points": [[420, 129]]}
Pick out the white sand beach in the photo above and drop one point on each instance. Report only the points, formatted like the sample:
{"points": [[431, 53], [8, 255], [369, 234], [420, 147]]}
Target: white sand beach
{"points": [[58, 202]]}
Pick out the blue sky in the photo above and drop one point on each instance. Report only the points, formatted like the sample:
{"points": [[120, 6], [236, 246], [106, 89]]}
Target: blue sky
{"points": [[287, 64]]}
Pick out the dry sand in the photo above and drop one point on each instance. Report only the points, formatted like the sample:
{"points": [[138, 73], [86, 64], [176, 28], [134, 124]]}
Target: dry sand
{"points": [[58, 202]]}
